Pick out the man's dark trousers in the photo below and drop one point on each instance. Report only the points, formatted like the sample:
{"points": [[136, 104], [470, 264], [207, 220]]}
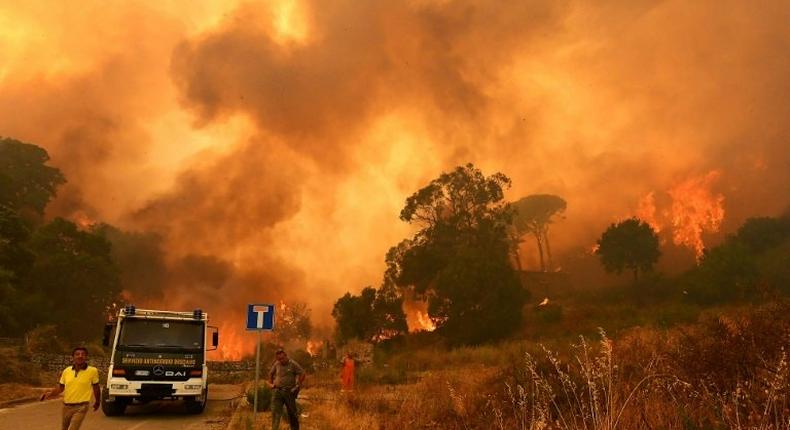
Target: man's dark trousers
{"points": [[284, 397]]}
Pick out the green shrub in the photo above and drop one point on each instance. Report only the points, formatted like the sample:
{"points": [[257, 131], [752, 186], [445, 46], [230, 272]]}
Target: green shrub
{"points": [[774, 267], [264, 397], [727, 272]]}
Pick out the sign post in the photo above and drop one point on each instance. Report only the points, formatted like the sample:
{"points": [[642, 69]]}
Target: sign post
{"points": [[260, 318]]}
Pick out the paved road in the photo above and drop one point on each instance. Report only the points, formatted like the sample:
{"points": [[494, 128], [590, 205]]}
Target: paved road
{"points": [[153, 416]]}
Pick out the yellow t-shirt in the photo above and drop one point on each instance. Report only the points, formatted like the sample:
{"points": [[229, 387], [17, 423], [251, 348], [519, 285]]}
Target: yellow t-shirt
{"points": [[78, 385]]}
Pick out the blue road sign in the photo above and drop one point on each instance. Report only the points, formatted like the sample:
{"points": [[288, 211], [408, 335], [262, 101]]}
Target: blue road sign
{"points": [[260, 317]]}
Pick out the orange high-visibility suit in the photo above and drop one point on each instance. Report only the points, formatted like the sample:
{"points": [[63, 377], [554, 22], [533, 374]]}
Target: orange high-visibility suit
{"points": [[347, 374]]}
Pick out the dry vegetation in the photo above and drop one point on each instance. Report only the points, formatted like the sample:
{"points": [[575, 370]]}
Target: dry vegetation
{"points": [[19, 378], [722, 372]]}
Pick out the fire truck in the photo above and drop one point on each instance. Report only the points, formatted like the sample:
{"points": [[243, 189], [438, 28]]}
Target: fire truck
{"points": [[157, 355]]}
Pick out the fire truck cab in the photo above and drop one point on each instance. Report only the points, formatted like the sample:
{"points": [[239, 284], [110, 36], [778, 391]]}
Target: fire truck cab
{"points": [[157, 355]]}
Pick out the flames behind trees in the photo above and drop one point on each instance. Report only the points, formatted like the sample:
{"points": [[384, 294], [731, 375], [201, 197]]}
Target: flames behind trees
{"points": [[279, 139], [694, 209], [459, 261], [417, 316]]}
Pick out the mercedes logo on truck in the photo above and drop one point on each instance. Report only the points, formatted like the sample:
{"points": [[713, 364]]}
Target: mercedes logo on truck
{"points": [[157, 355]]}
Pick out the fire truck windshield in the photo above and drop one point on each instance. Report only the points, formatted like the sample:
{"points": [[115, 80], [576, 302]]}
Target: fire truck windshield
{"points": [[161, 334]]}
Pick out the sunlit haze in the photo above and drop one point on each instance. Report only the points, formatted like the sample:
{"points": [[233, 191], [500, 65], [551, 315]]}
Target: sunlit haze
{"points": [[272, 144]]}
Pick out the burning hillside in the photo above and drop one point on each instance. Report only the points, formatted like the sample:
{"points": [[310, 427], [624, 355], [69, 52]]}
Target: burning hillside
{"points": [[262, 151]]}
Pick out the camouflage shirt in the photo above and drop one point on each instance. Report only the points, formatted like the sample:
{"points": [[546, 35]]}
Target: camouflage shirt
{"points": [[285, 374]]}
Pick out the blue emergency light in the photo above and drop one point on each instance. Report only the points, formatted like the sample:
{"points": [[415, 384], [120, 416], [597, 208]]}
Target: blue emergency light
{"points": [[129, 309], [197, 314]]}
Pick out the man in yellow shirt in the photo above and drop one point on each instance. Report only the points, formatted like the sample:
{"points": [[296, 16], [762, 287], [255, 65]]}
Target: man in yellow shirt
{"points": [[77, 383]]}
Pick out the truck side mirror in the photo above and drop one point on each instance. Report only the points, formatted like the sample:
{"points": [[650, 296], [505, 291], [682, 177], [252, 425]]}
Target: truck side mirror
{"points": [[106, 336], [214, 338]]}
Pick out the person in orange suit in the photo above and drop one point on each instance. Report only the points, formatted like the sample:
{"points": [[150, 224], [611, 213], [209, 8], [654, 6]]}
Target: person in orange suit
{"points": [[347, 373]]}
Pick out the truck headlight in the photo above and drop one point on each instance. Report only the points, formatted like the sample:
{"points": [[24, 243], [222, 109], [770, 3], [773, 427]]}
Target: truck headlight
{"points": [[118, 386], [192, 387]]}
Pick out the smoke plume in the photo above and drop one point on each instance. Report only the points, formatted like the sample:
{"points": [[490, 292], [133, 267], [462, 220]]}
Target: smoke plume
{"points": [[269, 146]]}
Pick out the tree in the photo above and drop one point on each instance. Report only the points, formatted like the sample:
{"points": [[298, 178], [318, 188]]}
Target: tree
{"points": [[9, 323], [73, 278], [762, 233], [26, 183], [459, 259], [354, 315], [293, 323], [26, 186], [388, 317], [631, 244], [726, 272], [534, 214], [15, 257], [372, 316]]}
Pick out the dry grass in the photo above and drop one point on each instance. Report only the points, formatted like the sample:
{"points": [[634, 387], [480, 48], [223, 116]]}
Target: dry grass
{"points": [[600, 390], [723, 372], [17, 367]]}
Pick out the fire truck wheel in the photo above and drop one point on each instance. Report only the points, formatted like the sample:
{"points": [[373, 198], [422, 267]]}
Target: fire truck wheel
{"points": [[112, 409], [196, 407]]}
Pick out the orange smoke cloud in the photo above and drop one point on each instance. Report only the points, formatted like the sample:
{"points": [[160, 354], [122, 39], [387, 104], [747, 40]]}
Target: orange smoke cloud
{"points": [[269, 147]]}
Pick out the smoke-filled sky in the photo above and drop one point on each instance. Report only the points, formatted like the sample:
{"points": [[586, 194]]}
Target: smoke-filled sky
{"points": [[271, 145]]}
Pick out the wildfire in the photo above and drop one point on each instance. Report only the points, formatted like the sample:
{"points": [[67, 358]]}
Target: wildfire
{"points": [[314, 347], [417, 317], [695, 209], [233, 344], [646, 211], [83, 220]]}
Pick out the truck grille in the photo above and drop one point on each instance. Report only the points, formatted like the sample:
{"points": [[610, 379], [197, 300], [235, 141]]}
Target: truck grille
{"points": [[156, 390]]}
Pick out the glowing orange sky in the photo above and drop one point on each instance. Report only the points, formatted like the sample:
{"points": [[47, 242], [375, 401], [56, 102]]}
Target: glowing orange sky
{"points": [[282, 138]]}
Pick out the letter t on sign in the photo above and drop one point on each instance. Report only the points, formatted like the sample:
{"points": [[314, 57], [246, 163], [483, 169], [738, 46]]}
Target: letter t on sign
{"points": [[260, 311]]}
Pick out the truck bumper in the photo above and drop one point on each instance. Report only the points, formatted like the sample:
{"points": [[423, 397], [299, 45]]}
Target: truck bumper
{"points": [[123, 388]]}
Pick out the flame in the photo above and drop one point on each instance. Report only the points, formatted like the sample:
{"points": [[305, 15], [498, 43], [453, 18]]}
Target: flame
{"points": [[417, 317], [234, 344], [646, 211], [83, 220], [544, 302], [314, 347], [696, 209]]}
